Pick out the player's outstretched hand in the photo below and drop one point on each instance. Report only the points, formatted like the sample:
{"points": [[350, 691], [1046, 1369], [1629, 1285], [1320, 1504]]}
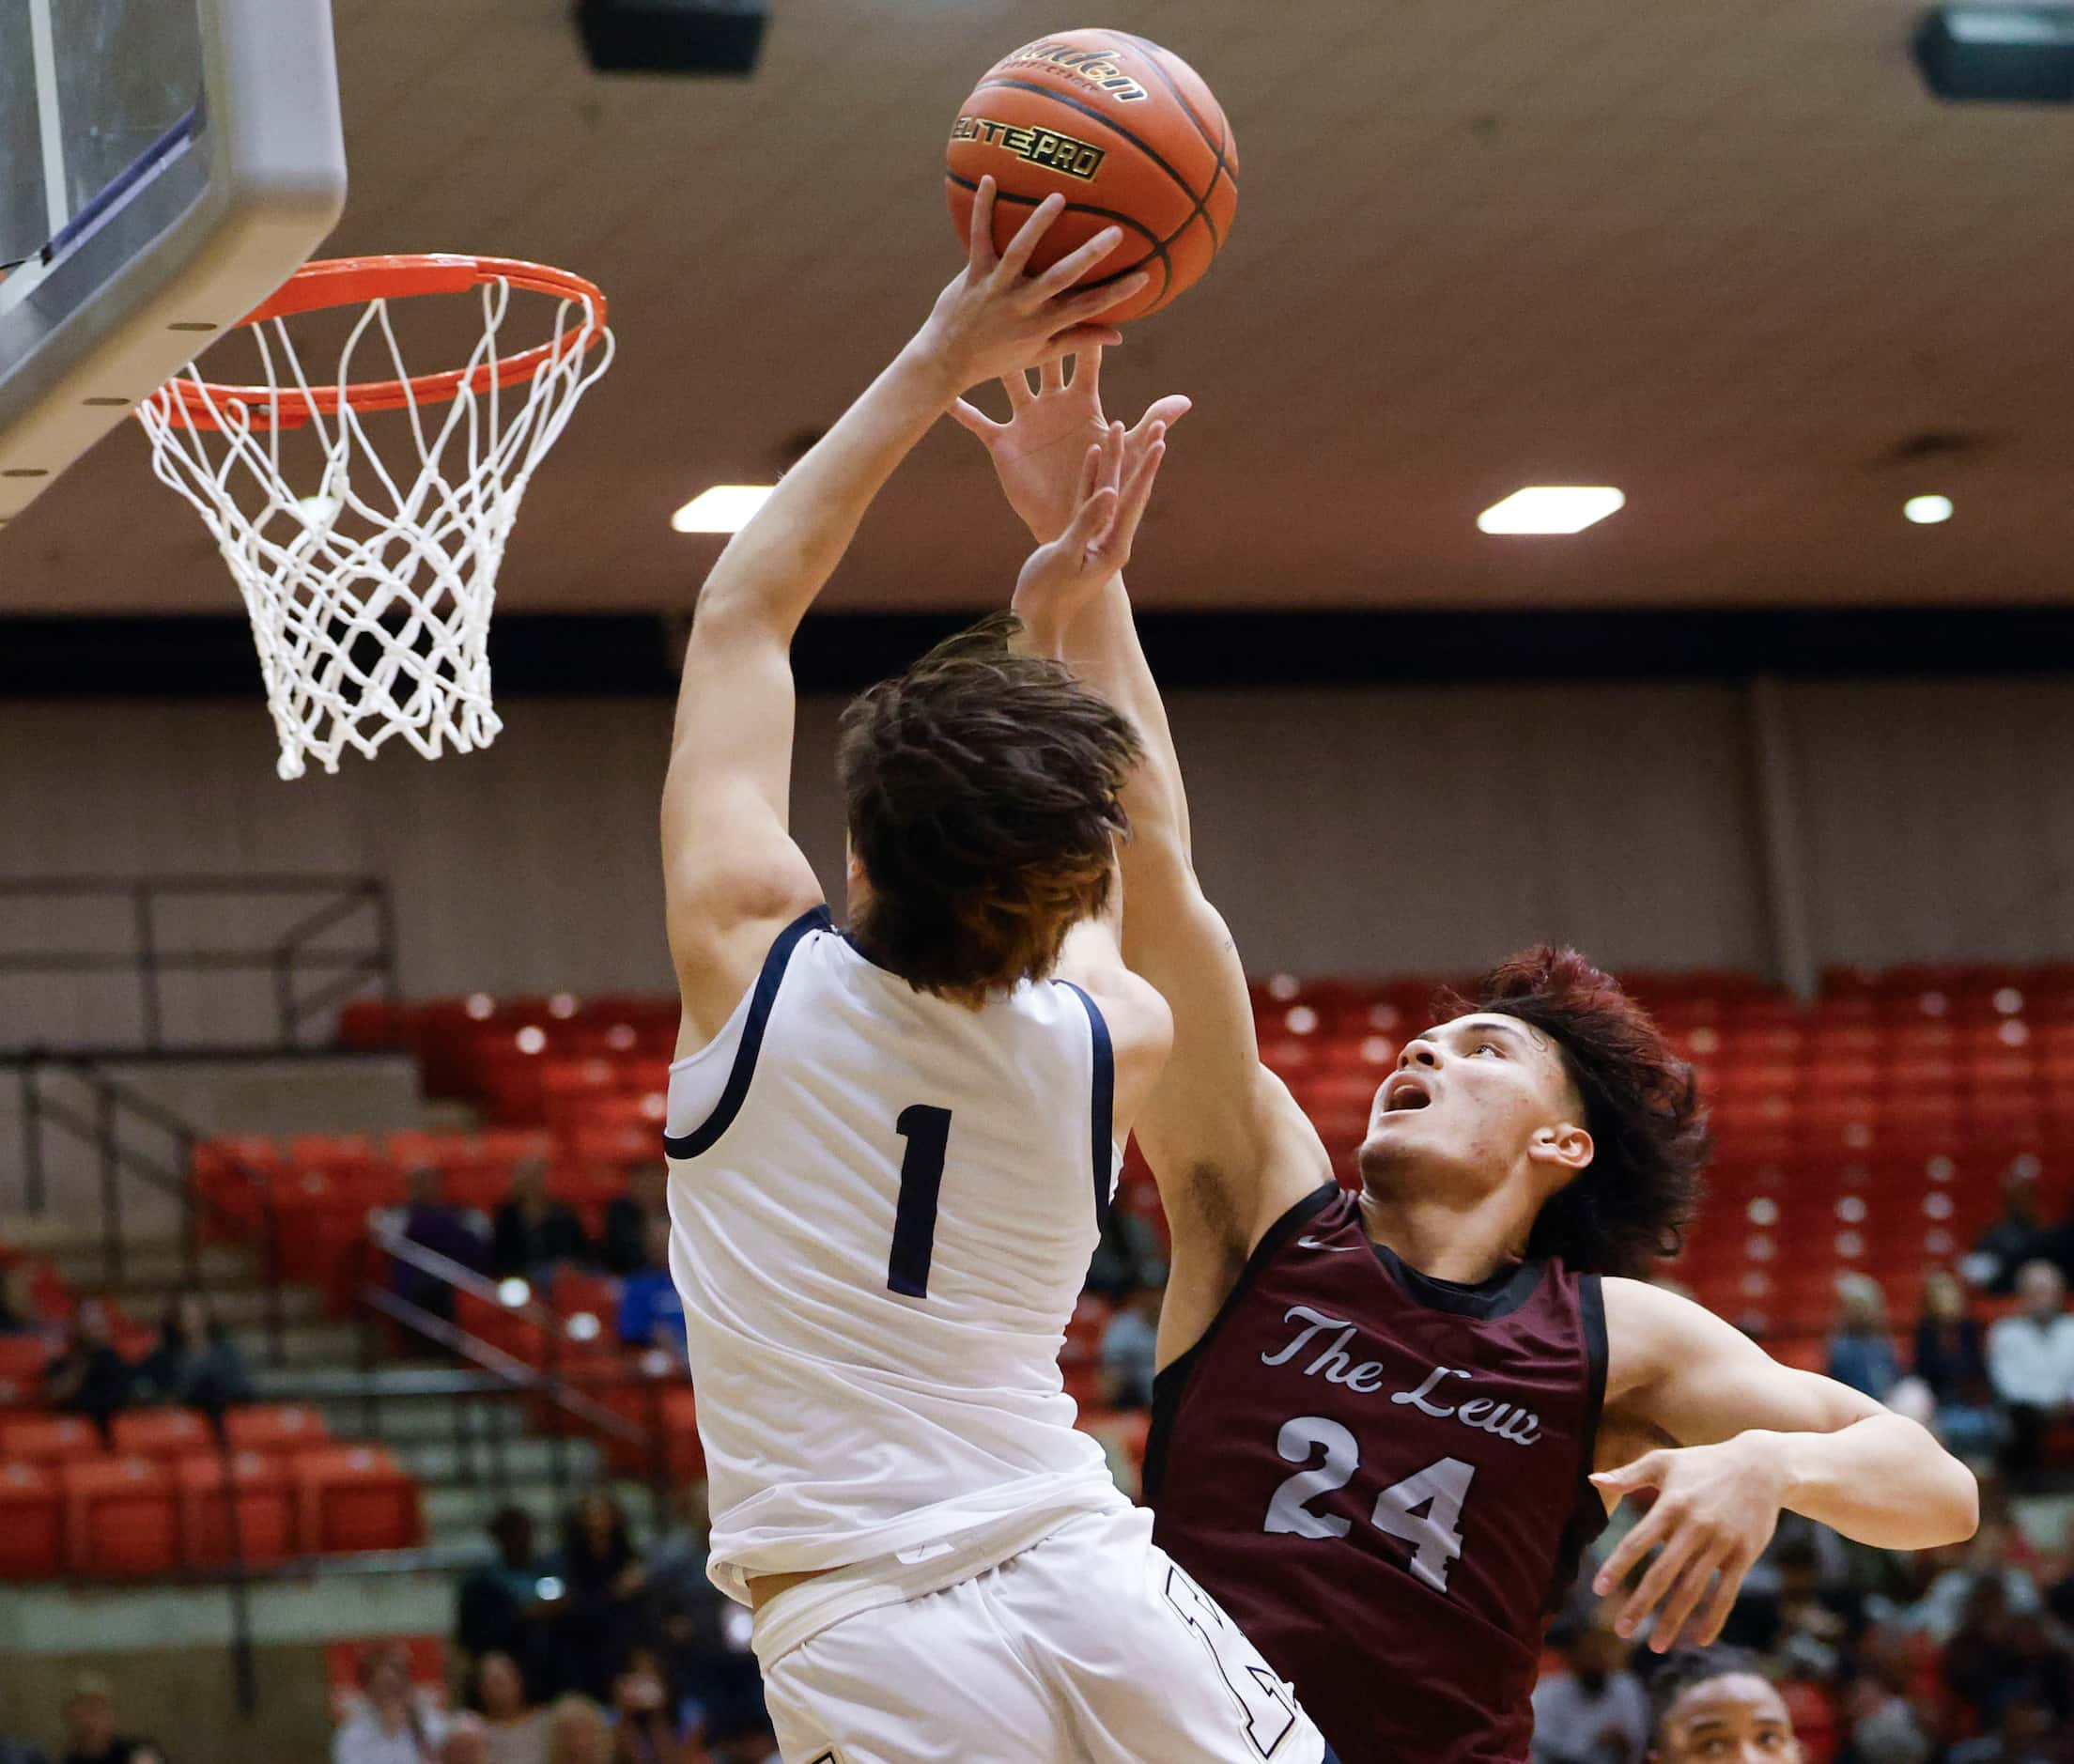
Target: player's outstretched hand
{"points": [[1064, 576], [996, 319], [1039, 451], [1716, 1508]]}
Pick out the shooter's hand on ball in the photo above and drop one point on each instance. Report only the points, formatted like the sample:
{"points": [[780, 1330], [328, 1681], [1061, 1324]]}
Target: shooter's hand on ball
{"points": [[1064, 576], [1038, 452], [995, 319]]}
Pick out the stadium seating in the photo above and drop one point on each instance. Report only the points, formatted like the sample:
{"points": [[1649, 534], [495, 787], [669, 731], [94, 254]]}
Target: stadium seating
{"points": [[119, 1516], [243, 1507], [32, 1522], [353, 1498]]}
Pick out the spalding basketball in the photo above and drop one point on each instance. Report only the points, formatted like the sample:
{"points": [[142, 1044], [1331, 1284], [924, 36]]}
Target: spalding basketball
{"points": [[1128, 133]]}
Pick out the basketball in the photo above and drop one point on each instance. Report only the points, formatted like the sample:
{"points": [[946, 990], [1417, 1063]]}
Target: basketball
{"points": [[1128, 133]]}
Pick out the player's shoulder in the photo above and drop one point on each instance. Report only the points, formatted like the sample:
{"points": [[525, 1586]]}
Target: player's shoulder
{"points": [[1652, 1332]]}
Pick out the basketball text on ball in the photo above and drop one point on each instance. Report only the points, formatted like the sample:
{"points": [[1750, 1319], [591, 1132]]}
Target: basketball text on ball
{"points": [[1098, 67], [1040, 146]]}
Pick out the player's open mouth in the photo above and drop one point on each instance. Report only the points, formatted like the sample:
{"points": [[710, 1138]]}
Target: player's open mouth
{"points": [[1405, 1091]]}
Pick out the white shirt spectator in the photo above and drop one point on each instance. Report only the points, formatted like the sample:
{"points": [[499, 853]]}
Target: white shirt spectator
{"points": [[1573, 1725], [2031, 1361], [363, 1739]]}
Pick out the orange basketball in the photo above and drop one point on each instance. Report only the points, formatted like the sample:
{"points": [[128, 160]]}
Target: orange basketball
{"points": [[1128, 133]]}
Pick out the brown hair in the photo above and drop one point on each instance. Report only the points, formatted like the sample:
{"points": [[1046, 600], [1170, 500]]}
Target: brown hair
{"points": [[1630, 1205], [982, 788]]}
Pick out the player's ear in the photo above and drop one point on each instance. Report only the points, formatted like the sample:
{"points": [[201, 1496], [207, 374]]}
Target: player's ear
{"points": [[1566, 1148]]}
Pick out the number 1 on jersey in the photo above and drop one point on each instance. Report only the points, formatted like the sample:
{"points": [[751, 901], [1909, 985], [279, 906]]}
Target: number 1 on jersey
{"points": [[927, 1131]]}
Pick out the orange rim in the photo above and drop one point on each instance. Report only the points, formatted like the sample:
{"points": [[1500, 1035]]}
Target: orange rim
{"points": [[347, 281]]}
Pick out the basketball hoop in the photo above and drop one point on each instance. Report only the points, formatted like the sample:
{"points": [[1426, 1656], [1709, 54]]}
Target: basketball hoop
{"points": [[370, 583]]}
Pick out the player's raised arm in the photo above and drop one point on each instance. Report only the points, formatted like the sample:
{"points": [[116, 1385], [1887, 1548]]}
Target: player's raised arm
{"points": [[1751, 1438], [732, 871], [1229, 1147]]}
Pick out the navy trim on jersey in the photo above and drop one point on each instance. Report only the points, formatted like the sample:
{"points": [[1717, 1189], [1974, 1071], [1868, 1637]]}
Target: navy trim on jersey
{"points": [[1590, 1518], [1485, 1301], [1169, 1384], [707, 1132], [1104, 1105]]}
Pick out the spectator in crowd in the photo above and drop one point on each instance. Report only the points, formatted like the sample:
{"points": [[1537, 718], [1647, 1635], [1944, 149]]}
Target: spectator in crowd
{"points": [[646, 1729], [1128, 1351], [514, 1730], [1861, 1351], [1596, 1712], [2026, 1734], [195, 1362], [2018, 1234], [1957, 1574], [1717, 1704], [509, 1605], [467, 1741], [90, 1377], [2031, 1363], [625, 1248], [2002, 1656], [90, 1736], [1127, 1258], [17, 1314], [651, 1315], [431, 1222], [601, 1618], [578, 1732], [706, 1636], [533, 1230], [1951, 1363], [1884, 1725], [388, 1728]]}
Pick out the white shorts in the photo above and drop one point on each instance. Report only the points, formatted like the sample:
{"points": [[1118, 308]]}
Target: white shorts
{"points": [[1090, 1648]]}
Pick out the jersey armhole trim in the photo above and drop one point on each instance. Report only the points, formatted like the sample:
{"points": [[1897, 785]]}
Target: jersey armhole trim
{"points": [[1171, 1383], [1103, 1107], [702, 1138]]}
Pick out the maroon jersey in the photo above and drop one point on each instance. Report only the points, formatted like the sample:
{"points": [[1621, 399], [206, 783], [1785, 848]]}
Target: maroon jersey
{"points": [[1381, 1478]]}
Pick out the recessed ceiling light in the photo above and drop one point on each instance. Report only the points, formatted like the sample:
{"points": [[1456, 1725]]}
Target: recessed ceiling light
{"points": [[1553, 508], [724, 508], [1928, 511]]}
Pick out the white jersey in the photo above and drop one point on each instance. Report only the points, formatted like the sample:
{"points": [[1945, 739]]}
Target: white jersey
{"points": [[882, 1208]]}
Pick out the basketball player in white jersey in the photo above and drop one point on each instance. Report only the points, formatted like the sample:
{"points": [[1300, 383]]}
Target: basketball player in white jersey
{"points": [[891, 1147]]}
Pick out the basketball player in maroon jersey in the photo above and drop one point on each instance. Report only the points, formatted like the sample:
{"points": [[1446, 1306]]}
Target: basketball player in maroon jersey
{"points": [[1387, 1423]]}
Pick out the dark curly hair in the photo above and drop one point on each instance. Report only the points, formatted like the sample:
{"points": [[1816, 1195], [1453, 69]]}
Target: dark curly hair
{"points": [[1629, 1206], [982, 792], [1684, 1667]]}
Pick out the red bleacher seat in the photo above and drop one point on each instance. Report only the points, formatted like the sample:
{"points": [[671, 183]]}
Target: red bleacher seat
{"points": [[274, 1427], [119, 1516], [353, 1498], [254, 1491], [48, 1439], [161, 1433], [22, 1359], [32, 1528]]}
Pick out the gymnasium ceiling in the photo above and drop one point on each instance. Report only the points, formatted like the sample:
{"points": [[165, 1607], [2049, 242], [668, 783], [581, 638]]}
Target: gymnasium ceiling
{"points": [[1725, 253]]}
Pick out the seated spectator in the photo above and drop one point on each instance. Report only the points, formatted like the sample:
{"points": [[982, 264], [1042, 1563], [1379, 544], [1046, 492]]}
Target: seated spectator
{"points": [[1717, 1703], [388, 1728], [195, 1362], [1128, 1351], [2018, 1234], [1597, 1712], [651, 1315], [2031, 1364], [1951, 1363], [509, 1605], [431, 1222], [90, 1736], [514, 1730], [578, 1732], [706, 1636], [601, 1617], [533, 1230], [646, 1729], [625, 1248], [2001, 1656], [1128, 1257], [90, 1377], [1861, 1351]]}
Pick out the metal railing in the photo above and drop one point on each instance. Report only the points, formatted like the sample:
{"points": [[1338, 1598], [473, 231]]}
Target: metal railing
{"points": [[289, 955]]}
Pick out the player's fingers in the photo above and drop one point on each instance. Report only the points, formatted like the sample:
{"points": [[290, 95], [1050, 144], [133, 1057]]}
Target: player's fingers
{"points": [[1075, 264], [1162, 413], [1646, 1472], [978, 240], [970, 416], [1671, 1561], [1137, 496], [1082, 337], [1721, 1603], [1054, 378], [1644, 1536], [1090, 303], [1016, 257], [1090, 476], [1090, 522], [1692, 1586], [1087, 375], [1017, 387]]}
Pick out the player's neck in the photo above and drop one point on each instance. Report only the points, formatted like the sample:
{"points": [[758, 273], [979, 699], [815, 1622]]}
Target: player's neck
{"points": [[1448, 1241]]}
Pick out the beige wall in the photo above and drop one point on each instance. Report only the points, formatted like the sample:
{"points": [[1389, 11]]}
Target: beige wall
{"points": [[1344, 830]]}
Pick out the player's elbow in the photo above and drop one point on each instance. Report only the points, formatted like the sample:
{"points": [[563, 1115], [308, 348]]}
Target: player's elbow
{"points": [[1959, 1514]]}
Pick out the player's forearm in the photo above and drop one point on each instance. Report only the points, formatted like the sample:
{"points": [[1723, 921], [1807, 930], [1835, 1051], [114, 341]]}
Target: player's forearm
{"points": [[1102, 647], [1883, 1481], [775, 567]]}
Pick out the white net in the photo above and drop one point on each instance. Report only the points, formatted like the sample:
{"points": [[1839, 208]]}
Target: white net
{"points": [[370, 583]]}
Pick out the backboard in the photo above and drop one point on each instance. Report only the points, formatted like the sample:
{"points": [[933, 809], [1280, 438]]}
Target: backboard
{"points": [[165, 166]]}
